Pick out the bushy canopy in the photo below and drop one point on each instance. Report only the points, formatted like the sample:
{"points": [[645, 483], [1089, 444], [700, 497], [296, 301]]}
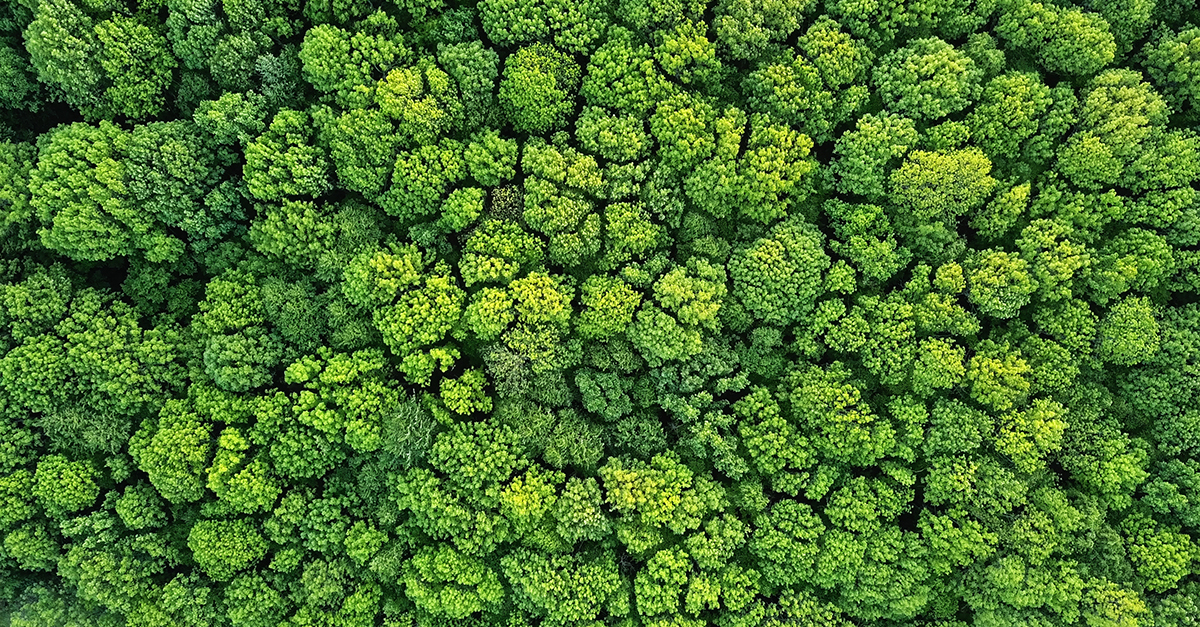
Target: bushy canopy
{"points": [[599, 313]]}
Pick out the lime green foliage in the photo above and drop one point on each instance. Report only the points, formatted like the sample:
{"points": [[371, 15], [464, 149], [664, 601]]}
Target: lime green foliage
{"points": [[1174, 64], [62, 486], [621, 75], [599, 313], [541, 583], [91, 217], [1009, 112], [224, 547], [1129, 334], [927, 79], [282, 162], [778, 278], [1067, 41], [999, 283], [747, 28], [105, 63], [346, 64], [422, 101], [538, 88], [491, 159], [616, 138], [573, 26], [932, 190], [864, 155], [174, 452], [799, 91]]}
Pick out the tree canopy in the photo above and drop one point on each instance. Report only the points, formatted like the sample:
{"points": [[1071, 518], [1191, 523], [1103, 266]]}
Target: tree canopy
{"points": [[600, 313]]}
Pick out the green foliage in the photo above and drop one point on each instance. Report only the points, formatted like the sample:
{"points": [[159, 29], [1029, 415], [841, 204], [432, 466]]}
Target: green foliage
{"points": [[80, 192], [345, 65], [174, 451], [778, 278], [999, 283], [1129, 333], [562, 588], [640, 313], [865, 154], [609, 304], [574, 27], [1066, 41], [281, 162], [422, 101], [538, 89], [105, 67], [491, 159], [224, 547], [1173, 64], [927, 79], [747, 28], [62, 486]]}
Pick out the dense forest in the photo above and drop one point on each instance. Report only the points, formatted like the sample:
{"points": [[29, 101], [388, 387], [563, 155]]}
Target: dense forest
{"points": [[586, 313]]}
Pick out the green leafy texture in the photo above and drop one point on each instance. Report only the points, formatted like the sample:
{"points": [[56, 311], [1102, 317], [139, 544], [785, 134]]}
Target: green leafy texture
{"points": [[62, 486], [86, 367], [497, 251], [362, 146], [932, 190], [1129, 333], [140, 507], [998, 376], [1029, 435], [999, 283], [1174, 63], [174, 451], [650, 496], [1009, 112], [840, 425], [864, 155], [778, 278], [536, 312], [106, 67], [240, 349], [80, 191], [16, 161], [17, 76], [616, 138], [864, 238], [538, 89], [927, 79], [1160, 556], [746, 29], [345, 65], [224, 547], [778, 451], [1064, 41], [447, 583], [491, 159], [784, 542], [609, 304], [562, 588], [575, 27], [409, 312], [465, 394], [474, 68], [138, 64], [421, 178], [282, 162], [798, 92], [621, 75], [422, 100]]}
